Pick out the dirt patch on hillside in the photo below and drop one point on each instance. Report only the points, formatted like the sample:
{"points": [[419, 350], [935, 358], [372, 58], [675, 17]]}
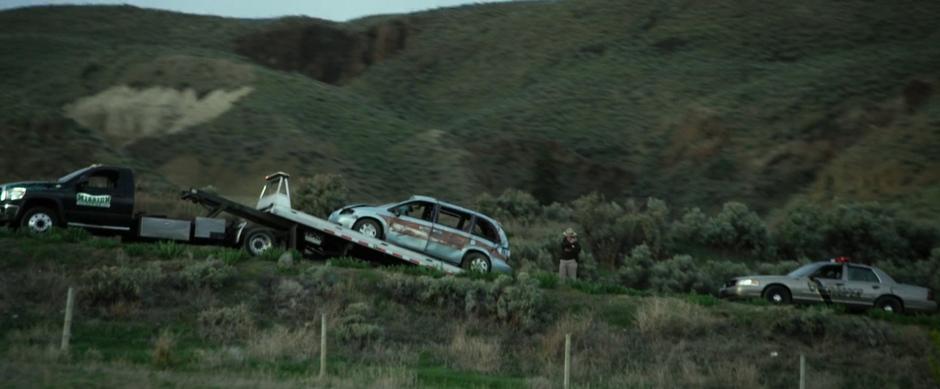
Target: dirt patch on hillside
{"points": [[322, 50], [124, 114]]}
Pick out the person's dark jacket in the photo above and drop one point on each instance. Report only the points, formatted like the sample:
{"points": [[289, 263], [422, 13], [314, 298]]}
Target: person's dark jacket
{"points": [[570, 250]]}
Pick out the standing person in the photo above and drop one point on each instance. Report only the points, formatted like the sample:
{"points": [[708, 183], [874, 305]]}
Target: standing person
{"points": [[570, 249]]}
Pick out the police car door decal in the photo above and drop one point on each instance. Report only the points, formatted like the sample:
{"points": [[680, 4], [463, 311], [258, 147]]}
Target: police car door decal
{"points": [[89, 200]]}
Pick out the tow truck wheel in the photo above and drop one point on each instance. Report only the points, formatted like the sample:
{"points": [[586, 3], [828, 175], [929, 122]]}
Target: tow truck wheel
{"points": [[889, 304], [777, 295], [476, 262], [39, 220], [259, 241], [368, 227]]}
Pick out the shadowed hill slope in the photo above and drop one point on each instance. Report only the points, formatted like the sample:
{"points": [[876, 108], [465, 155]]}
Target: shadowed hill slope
{"points": [[694, 102]]}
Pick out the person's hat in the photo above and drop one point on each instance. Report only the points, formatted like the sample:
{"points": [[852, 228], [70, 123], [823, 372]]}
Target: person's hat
{"points": [[570, 232]]}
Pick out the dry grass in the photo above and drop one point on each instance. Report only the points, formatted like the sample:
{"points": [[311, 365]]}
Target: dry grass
{"points": [[281, 343], [663, 316], [162, 355], [477, 353]]}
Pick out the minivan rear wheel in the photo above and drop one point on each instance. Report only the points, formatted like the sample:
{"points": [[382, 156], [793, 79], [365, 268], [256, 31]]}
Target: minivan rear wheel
{"points": [[476, 262]]}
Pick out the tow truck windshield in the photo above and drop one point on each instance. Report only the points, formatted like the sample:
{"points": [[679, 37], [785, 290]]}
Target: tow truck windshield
{"points": [[70, 176]]}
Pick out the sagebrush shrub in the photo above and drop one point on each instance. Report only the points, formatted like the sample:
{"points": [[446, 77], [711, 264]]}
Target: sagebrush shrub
{"points": [[210, 273], [226, 324], [514, 301], [737, 227], [110, 284], [320, 195], [354, 324], [511, 204], [636, 268]]}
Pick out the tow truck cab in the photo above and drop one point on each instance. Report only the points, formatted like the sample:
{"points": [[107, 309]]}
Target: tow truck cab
{"points": [[96, 197]]}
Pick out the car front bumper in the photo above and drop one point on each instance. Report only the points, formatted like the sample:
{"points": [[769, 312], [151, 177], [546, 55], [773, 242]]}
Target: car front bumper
{"points": [[740, 292], [8, 213]]}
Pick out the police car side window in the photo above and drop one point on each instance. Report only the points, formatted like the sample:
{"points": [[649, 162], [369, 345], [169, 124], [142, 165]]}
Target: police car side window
{"points": [[829, 271], [862, 274]]}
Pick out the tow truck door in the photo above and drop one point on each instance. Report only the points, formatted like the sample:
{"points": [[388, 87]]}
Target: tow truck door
{"points": [[102, 198]]}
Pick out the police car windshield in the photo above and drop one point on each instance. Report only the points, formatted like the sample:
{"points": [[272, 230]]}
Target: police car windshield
{"points": [[804, 270], [70, 176]]}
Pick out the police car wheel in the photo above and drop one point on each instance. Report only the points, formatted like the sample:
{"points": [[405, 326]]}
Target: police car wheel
{"points": [[777, 295], [39, 220], [889, 304]]}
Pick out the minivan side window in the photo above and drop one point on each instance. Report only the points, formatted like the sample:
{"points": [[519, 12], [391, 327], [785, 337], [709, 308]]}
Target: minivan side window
{"points": [[485, 230], [417, 210], [453, 218]]}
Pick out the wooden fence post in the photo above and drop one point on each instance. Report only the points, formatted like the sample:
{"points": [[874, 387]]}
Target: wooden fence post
{"points": [[322, 345], [802, 371], [567, 360], [67, 327]]}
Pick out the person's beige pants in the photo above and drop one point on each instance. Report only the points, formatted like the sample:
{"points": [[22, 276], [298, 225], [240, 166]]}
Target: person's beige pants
{"points": [[568, 269]]}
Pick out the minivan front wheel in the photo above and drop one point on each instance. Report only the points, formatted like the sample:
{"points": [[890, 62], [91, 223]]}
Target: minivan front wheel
{"points": [[476, 262], [368, 227]]}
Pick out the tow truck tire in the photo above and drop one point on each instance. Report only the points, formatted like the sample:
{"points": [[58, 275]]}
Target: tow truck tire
{"points": [[259, 240], [889, 304], [39, 220], [476, 262], [777, 295], [369, 227]]}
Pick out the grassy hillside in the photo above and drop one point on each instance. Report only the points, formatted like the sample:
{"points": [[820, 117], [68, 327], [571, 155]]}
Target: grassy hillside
{"points": [[696, 103], [175, 316]]}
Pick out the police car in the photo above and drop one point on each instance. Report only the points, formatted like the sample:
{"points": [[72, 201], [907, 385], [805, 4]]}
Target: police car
{"points": [[837, 281]]}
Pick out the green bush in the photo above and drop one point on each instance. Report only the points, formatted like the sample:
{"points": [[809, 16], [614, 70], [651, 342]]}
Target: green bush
{"points": [[348, 262], [415, 270], [514, 301], [168, 249], [210, 273], [691, 228], [226, 324], [737, 227], [545, 280], [511, 204], [636, 268], [322, 280], [678, 274], [601, 287], [924, 273], [320, 195], [603, 230], [110, 284], [230, 256], [354, 324], [865, 232]]}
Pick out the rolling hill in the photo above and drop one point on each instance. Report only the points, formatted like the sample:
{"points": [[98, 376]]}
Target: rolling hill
{"points": [[693, 102]]}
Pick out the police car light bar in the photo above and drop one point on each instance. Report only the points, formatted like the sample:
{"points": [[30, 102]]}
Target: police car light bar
{"points": [[840, 260]]}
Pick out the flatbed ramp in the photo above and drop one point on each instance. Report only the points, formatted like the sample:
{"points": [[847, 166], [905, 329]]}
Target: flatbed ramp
{"points": [[349, 235], [275, 212]]}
